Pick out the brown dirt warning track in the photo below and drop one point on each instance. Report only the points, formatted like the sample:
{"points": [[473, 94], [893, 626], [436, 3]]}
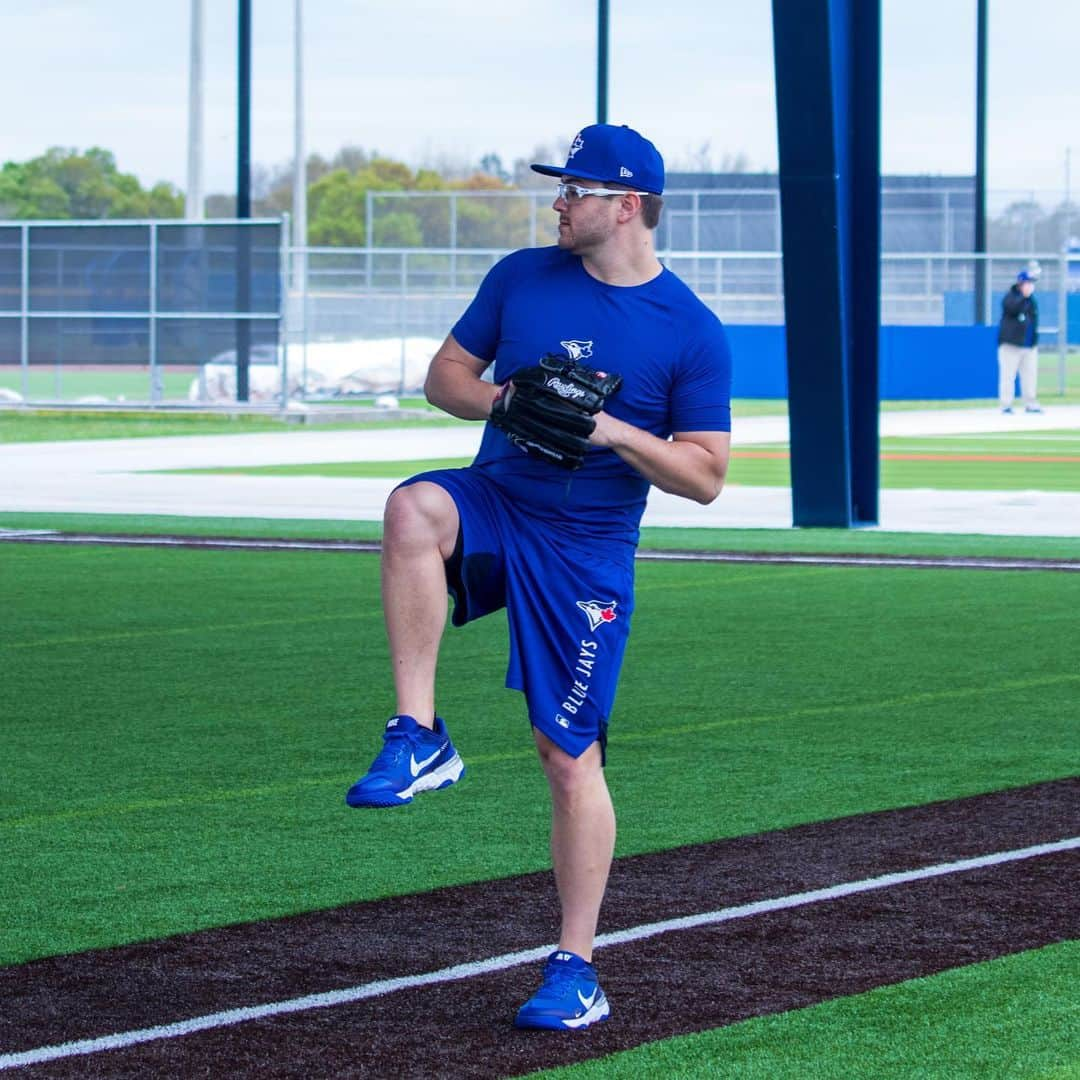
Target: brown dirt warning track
{"points": [[975, 878]]}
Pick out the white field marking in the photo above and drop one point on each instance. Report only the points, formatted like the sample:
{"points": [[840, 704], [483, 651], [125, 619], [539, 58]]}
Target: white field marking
{"points": [[1002, 447], [380, 988], [49, 536], [930, 562], [998, 437]]}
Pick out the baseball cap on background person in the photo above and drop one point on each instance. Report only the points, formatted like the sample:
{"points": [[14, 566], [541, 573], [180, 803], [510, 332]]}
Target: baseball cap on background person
{"points": [[612, 154], [1028, 275]]}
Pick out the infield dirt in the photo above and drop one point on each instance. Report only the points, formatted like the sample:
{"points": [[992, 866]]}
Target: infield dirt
{"points": [[680, 982]]}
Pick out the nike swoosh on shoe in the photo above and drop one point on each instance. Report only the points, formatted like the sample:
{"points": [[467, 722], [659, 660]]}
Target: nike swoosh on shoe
{"points": [[587, 1001], [415, 767]]}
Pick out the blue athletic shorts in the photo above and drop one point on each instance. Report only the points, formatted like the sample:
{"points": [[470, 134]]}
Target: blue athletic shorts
{"points": [[568, 605]]}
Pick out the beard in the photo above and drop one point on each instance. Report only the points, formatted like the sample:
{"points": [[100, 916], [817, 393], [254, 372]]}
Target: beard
{"points": [[583, 236]]}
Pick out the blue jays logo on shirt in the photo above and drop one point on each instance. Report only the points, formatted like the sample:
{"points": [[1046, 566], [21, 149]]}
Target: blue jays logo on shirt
{"points": [[577, 350], [598, 612]]}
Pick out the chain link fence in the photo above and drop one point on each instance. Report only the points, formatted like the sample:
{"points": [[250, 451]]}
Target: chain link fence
{"points": [[133, 310], [151, 311]]}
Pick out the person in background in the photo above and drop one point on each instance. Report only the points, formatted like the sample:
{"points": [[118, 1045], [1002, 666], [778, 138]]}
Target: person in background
{"points": [[1018, 344]]}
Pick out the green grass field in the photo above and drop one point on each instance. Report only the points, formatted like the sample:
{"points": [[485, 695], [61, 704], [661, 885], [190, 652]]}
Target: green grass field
{"points": [[1010, 1018], [181, 726], [995, 461], [70, 382], [17, 426]]}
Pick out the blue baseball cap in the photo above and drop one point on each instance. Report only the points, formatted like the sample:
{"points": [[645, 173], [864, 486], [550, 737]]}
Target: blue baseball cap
{"points": [[1027, 275], [612, 154]]}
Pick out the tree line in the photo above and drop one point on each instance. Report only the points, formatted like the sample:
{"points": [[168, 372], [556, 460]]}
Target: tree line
{"points": [[69, 184]]}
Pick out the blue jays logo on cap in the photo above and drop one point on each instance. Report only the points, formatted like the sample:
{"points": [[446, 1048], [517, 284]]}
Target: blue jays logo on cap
{"points": [[612, 153]]}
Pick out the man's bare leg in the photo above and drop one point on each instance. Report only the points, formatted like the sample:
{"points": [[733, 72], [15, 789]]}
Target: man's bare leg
{"points": [[420, 528], [582, 839]]}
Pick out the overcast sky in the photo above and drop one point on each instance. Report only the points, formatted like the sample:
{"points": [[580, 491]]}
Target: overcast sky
{"points": [[451, 80]]}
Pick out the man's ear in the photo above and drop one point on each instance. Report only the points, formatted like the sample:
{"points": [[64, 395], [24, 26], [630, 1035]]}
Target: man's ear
{"points": [[629, 205]]}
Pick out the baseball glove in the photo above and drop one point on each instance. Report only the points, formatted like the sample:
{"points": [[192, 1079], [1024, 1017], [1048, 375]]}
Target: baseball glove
{"points": [[547, 409]]}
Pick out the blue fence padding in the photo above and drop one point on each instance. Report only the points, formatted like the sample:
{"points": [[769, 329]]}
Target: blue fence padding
{"points": [[760, 361], [930, 362], [918, 363], [960, 311]]}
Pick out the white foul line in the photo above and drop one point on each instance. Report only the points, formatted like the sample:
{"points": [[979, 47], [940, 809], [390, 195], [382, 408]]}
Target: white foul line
{"points": [[508, 960]]}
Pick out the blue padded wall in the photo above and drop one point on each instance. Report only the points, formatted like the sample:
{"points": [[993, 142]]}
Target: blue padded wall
{"points": [[827, 59]]}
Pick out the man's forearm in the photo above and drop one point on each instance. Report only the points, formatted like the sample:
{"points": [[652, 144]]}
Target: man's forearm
{"points": [[679, 467], [455, 388]]}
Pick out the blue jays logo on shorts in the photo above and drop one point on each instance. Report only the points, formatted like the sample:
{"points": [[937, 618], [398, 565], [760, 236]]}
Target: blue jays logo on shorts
{"points": [[577, 350], [598, 611]]}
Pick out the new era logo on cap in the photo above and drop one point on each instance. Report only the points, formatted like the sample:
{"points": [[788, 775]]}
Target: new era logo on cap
{"points": [[611, 154]]}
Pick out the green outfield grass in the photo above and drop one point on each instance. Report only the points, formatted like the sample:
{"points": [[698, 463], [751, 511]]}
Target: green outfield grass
{"points": [[62, 425], [351, 469], [181, 727], [1009, 1018], [70, 382], [1008, 461], [994, 461]]}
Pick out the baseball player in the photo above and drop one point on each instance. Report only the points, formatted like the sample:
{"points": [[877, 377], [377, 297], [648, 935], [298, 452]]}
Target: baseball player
{"points": [[610, 375], [1018, 343]]}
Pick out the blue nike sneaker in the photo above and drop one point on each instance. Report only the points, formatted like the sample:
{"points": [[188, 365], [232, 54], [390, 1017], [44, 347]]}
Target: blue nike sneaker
{"points": [[413, 759], [569, 997]]}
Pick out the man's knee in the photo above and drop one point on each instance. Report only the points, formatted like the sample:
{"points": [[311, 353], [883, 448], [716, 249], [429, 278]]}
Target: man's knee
{"points": [[419, 516], [567, 774]]}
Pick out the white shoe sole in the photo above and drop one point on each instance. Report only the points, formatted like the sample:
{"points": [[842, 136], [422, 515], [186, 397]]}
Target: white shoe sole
{"points": [[599, 1011], [449, 772]]}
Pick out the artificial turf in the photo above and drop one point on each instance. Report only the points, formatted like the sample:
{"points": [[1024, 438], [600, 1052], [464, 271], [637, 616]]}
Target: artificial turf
{"points": [[63, 425], [181, 725], [1010, 1018], [997, 461], [993, 461]]}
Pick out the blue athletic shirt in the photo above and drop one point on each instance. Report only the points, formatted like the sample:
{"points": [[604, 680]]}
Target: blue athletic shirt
{"points": [[670, 349]]}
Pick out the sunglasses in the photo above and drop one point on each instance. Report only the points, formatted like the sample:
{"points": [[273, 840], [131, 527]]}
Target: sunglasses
{"points": [[575, 192]]}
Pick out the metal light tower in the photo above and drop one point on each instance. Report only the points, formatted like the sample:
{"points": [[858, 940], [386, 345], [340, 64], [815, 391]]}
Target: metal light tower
{"points": [[243, 196], [602, 21], [980, 162], [193, 197], [299, 201]]}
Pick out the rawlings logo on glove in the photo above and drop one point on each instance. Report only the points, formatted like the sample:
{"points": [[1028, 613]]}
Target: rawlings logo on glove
{"points": [[547, 409]]}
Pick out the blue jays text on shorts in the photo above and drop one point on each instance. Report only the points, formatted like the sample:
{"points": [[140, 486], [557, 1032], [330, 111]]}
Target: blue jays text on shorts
{"points": [[568, 599]]}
